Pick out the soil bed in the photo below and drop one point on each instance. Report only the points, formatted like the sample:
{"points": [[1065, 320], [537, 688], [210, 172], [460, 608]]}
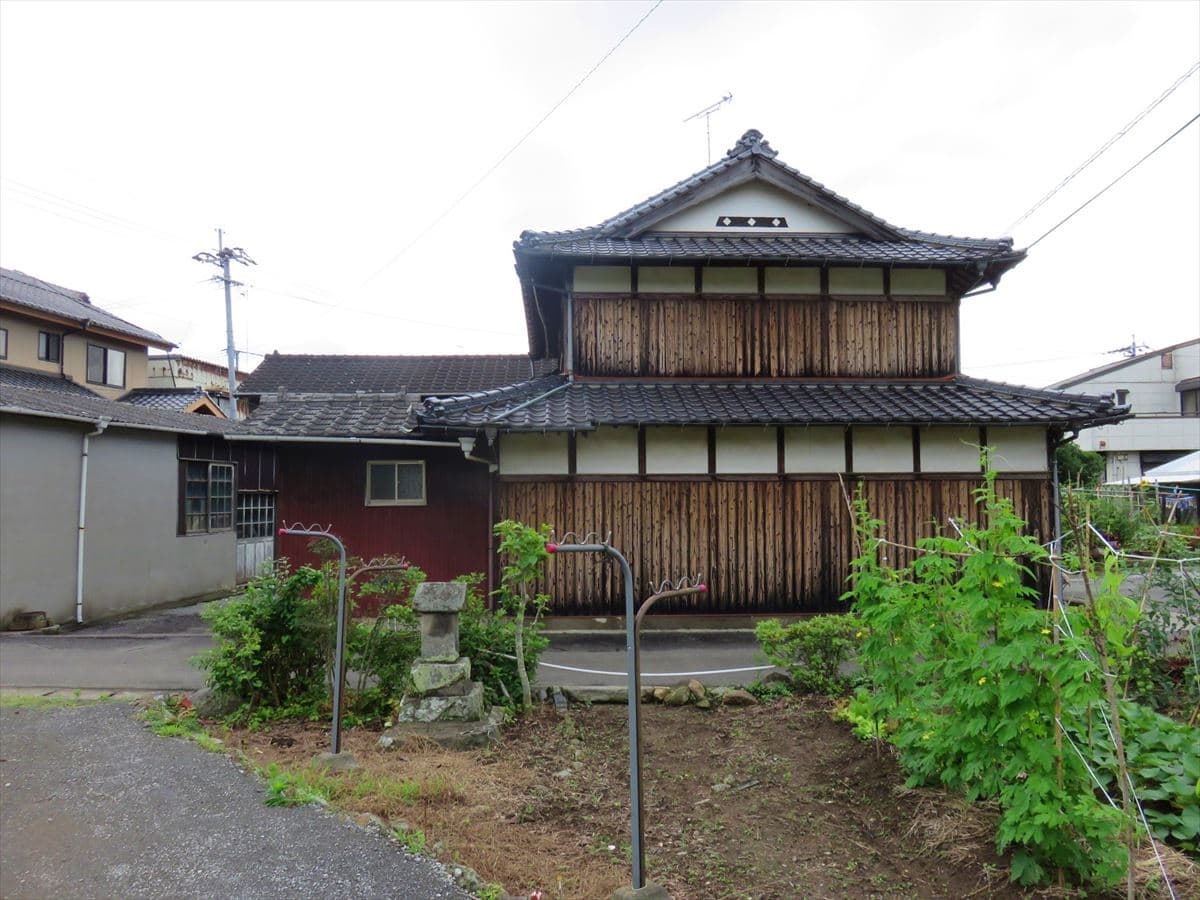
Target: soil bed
{"points": [[770, 801]]}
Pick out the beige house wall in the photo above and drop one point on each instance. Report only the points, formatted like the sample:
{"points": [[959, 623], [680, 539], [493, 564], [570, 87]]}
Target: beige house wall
{"points": [[23, 351]]}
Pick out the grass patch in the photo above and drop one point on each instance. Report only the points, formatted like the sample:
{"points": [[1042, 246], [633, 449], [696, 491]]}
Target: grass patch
{"points": [[174, 716], [53, 701]]}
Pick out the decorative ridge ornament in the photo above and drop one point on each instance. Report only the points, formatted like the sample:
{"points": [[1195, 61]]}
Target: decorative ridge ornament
{"points": [[754, 142]]}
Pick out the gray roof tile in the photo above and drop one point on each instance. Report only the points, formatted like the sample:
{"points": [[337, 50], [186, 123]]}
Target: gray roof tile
{"points": [[588, 403], [359, 417], [19, 377], [55, 404], [172, 399], [33, 293]]}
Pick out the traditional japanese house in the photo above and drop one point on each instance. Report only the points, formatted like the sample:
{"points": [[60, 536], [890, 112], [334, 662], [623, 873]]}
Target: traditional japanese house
{"points": [[738, 353]]}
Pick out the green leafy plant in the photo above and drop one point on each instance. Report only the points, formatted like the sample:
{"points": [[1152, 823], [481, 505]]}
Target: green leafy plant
{"points": [[523, 550], [489, 638], [1077, 466], [812, 651], [414, 840], [292, 789]]}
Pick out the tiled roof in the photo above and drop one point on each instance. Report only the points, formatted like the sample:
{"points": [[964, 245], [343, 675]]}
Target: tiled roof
{"points": [[318, 374], [33, 293], [623, 235], [586, 404], [174, 399], [16, 376], [360, 417], [53, 404], [824, 248]]}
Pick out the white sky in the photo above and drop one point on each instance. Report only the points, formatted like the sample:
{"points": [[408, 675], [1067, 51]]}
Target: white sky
{"points": [[325, 137]]}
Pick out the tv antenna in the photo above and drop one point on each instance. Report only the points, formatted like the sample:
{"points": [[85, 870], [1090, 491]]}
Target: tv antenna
{"points": [[707, 113], [1132, 349]]}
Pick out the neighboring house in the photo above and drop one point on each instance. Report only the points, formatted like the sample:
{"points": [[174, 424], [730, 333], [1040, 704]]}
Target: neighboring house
{"points": [[174, 371], [713, 373], [182, 399], [58, 331], [351, 455], [1162, 389], [108, 507]]}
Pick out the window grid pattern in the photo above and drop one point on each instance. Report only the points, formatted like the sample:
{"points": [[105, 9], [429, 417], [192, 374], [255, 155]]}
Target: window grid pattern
{"points": [[207, 497], [396, 483], [255, 515]]}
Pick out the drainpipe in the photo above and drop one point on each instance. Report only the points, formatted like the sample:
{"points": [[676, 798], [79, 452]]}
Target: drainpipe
{"points": [[468, 447], [83, 473]]}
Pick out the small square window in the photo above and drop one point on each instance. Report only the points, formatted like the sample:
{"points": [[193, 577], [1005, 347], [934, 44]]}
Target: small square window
{"points": [[1122, 396], [49, 346], [105, 366], [396, 483], [3, 343]]}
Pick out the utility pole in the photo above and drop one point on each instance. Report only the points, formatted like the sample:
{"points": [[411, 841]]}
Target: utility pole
{"points": [[707, 113], [1132, 349], [221, 258]]}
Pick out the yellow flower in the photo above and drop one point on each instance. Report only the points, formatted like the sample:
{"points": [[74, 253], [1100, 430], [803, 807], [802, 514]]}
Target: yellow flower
{"points": [[1045, 631], [926, 736], [858, 634], [983, 679], [997, 583]]}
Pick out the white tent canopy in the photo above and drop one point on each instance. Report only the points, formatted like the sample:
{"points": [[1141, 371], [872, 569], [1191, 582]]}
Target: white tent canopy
{"points": [[1185, 470]]}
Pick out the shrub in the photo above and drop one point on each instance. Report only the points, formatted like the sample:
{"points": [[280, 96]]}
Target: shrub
{"points": [[1078, 466], [812, 651], [489, 638]]}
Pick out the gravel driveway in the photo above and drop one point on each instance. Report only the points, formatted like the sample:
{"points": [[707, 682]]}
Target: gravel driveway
{"points": [[94, 805]]}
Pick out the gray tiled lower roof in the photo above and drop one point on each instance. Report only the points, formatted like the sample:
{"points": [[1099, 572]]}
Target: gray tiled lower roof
{"points": [[586, 404], [175, 399], [822, 249], [33, 293], [358, 417], [19, 377], [54, 404]]}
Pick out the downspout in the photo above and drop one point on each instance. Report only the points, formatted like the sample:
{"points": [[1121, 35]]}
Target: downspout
{"points": [[468, 446], [83, 474]]}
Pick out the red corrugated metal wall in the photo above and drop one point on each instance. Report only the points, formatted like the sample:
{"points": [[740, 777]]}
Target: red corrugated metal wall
{"points": [[326, 484]]}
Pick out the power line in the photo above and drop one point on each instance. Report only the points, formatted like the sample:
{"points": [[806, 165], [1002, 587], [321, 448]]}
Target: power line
{"points": [[1104, 189], [511, 150], [1112, 140]]}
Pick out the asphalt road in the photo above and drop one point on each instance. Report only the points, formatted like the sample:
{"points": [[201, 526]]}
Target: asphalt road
{"points": [[95, 806]]}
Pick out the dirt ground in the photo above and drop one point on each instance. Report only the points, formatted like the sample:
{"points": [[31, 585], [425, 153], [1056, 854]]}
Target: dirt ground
{"points": [[770, 801]]}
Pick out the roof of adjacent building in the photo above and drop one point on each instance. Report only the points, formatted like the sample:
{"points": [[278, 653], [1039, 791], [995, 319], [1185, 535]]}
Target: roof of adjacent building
{"points": [[173, 399], [196, 362], [20, 377], [555, 404], [301, 373], [1120, 364], [73, 407], [32, 293], [367, 416], [630, 233]]}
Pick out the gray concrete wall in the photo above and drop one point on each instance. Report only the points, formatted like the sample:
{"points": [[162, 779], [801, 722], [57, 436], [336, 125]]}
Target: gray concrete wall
{"points": [[133, 557], [39, 508]]}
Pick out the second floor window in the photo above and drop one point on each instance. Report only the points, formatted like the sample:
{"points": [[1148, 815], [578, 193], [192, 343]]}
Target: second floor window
{"points": [[49, 346], [105, 366], [3, 343]]}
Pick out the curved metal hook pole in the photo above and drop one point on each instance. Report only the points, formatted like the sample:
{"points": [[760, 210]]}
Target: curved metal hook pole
{"points": [[339, 654]]}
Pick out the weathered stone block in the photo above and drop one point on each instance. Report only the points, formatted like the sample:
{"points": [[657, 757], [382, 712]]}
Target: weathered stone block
{"points": [[440, 597], [439, 636], [430, 676], [465, 708]]}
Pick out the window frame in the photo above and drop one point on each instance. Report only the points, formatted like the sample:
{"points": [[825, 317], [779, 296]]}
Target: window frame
{"points": [[87, 364], [1194, 394], [3, 343], [396, 463], [215, 522], [57, 336]]}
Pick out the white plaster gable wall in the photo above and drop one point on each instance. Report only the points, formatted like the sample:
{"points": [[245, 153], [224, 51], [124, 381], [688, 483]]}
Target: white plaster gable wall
{"points": [[606, 451], [747, 451], [1018, 449], [882, 449], [676, 451], [816, 450], [758, 199], [949, 449], [533, 454]]}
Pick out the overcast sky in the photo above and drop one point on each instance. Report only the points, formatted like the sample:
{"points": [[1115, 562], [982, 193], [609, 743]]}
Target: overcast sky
{"points": [[325, 137]]}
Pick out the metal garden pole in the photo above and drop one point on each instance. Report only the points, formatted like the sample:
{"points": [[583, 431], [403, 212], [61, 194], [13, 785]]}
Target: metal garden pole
{"points": [[635, 772], [340, 648]]}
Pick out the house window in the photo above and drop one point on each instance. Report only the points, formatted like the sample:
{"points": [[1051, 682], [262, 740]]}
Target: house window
{"points": [[396, 483], [49, 346], [1189, 402], [3, 343], [207, 497], [1122, 396], [105, 366]]}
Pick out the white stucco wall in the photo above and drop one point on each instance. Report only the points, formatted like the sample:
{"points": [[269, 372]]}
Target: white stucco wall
{"points": [[868, 281], [747, 451], [882, 449], [740, 280], [666, 280], [758, 199], [606, 451], [603, 279], [949, 449], [676, 451], [533, 454], [918, 282], [815, 450], [788, 280], [1018, 449]]}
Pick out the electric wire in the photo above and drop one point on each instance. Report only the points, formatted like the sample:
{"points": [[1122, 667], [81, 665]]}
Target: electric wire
{"points": [[1125, 129], [1113, 183], [511, 150]]}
